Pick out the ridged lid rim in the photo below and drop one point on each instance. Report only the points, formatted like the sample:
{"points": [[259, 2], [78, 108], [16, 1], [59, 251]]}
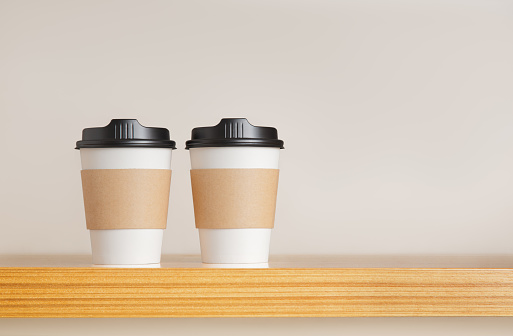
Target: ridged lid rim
{"points": [[234, 132], [125, 133]]}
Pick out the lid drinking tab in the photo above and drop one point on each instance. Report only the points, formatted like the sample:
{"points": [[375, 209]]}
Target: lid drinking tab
{"points": [[233, 132], [125, 133]]}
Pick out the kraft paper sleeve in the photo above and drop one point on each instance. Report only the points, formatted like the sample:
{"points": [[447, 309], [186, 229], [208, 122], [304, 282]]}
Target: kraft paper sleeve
{"points": [[126, 198], [234, 198]]}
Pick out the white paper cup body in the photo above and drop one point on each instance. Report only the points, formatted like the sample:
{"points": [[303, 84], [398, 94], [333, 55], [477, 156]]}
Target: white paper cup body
{"points": [[234, 246], [126, 246]]}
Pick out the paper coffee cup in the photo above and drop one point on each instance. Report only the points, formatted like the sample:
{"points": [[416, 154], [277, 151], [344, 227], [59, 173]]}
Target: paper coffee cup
{"points": [[234, 176], [126, 174]]}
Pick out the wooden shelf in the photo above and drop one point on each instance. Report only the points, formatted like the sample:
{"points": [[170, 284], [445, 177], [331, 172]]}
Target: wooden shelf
{"points": [[68, 286]]}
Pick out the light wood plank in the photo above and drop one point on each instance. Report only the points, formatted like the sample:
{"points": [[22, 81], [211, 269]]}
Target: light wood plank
{"points": [[286, 292]]}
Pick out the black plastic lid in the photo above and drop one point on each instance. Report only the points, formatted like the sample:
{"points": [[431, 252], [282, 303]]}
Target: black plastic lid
{"points": [[125, 133], [232, 132]]}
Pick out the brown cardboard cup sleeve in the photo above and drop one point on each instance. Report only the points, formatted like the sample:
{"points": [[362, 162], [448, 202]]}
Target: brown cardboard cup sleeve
{"points": [[126, 198], [234, 198]]}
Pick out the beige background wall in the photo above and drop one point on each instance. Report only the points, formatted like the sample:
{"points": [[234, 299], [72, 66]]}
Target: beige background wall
{"points": [[396, 115], [392, 326], [397, 118]]}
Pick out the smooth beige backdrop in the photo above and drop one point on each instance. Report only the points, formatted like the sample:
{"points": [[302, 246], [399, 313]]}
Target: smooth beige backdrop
{"points": [[397, 118]]}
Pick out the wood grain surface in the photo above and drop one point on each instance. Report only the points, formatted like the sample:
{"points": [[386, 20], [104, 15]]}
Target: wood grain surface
{"points": [[273, 292]]}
